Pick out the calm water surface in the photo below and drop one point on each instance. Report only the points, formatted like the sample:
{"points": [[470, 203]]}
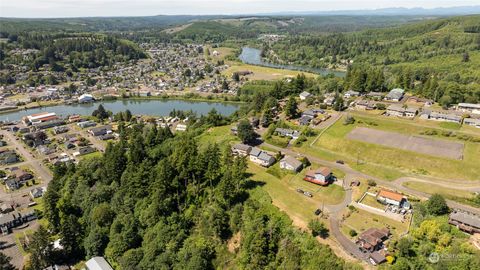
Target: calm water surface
{"points": [[144, 107]]}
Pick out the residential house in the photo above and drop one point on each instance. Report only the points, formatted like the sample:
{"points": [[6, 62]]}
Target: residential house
{"points": [[106, 137], [242, 150], [85, 98], [474, 122], [291, 164], [322, 176], [86, 124], [21, 175], [304, 120], [98, 263], [261, 157], [376, 258], [60, 129], [304, 95], [285, 132], [375, 95], [469, 108], [99, 131], [8, 157], [365, 105], [36, 193], [389, 197], [441, 116], [466, 222], [400, 111], [372, 239], [84, 150], [12, 184], [181, 127], [350, 94], [395, 95], [329, 101]]}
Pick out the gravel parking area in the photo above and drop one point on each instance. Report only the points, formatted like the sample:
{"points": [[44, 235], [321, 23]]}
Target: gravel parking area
{"points": [[433, 147]]}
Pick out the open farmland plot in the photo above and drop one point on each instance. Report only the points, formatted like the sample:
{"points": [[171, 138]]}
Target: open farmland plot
{"points": [[440, 148], [388, 162]]}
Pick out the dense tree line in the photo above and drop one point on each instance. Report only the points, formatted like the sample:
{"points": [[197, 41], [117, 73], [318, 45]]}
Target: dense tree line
{"points": [[156, 200]]}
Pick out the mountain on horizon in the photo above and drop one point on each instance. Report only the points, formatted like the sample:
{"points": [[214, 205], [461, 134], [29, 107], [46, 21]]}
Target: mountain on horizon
{"points": [[440, 11]]}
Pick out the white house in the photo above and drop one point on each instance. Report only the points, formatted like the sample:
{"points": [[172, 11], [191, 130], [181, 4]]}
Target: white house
{"points": [[304, 95], [181, 127], [98, 263], [395, 95], [261, 157], [472, 122], [242, 150], [469, 107], [85, 98], [291, 164]]}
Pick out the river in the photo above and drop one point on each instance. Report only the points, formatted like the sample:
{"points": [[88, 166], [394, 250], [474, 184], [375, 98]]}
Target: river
{"points": [[252, 56], [152, 107]]}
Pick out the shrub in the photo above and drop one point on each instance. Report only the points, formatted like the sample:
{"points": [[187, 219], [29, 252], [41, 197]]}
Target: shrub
{"points": [[318, 228], [349, 120], [352, 233], [371, 183]]}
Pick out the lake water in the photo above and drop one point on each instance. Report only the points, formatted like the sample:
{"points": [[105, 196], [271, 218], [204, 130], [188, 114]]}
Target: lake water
{"points": [[252, 56], [144, 107]]}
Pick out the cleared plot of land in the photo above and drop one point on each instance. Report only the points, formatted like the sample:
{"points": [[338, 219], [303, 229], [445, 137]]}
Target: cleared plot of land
{"points": [[461, 196], [263, 73], [360, 221], [390, 163], [439, 148]]}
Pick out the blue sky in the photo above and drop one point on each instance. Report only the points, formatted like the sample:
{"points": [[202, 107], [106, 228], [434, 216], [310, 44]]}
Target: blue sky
{"points": [[79, 8]]}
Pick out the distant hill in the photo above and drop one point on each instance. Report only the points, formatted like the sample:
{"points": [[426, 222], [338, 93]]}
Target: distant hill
{"points": [[441, 11]]}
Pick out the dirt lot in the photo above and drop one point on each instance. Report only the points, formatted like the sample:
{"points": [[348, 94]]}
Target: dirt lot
{"points": [[438, 148]]}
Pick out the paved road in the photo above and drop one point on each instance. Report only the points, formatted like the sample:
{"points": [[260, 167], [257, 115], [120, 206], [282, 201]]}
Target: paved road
{"points": [[390, 184], [347, 245], [37, 165]]}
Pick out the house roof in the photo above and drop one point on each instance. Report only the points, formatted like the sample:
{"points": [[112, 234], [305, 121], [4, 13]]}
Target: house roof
{"points": [[392, 195], [377, 257], [305, 94], [242, 147], [466, 218], [255, 152], [264, 156], [98, 263], [324, 171], [292, 161]]}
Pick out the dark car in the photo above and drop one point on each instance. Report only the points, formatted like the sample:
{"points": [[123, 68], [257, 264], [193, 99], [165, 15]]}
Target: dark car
{"points": [[340, 162], [318, 212]]}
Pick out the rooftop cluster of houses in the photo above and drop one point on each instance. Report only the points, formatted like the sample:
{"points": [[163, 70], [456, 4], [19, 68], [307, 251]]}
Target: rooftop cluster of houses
{"points": [[171, 66], [12, 219], [465, 221], [16, 178]]}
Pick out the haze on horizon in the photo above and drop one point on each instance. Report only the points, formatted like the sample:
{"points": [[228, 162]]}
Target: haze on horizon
{"points": [[104, 8]]}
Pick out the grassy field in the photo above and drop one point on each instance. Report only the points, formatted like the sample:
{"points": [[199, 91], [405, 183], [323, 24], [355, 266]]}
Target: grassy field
{"points": [[284, 195], [462, 196], [390, 163], [263, 73], [360, 220], [372, 201], [219, 135]]}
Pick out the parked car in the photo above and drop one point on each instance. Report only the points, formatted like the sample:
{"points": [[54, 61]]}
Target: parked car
{"points": [[306, 193], [300, 190], [318, 212], [340, 162]]}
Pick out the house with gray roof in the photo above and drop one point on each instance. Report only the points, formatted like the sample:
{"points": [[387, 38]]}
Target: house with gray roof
{"points": [[474, 122], [291, 164], [241, 149], [304, 95], [466, 222], [395, 95], [98, 263], [286, 132], [261, 157]]}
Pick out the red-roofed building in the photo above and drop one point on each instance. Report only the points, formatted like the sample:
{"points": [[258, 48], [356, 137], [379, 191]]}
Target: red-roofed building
{"points": [[390, 197], [322, 176]]}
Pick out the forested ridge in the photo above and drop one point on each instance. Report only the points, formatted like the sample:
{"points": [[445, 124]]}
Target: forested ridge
{"points": [[437, 59], [156, 200]]}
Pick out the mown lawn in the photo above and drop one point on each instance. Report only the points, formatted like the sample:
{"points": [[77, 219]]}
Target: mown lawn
{"points": [[360, 220], [262, 73], [220, 135], [461, 196], [284, 194], [391, 163]]}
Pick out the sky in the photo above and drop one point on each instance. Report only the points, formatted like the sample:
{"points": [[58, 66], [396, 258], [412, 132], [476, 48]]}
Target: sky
{"points": [[87, 8]]}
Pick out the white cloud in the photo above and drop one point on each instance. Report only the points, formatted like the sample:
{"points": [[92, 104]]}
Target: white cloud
{"points": [[77, 8]]}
